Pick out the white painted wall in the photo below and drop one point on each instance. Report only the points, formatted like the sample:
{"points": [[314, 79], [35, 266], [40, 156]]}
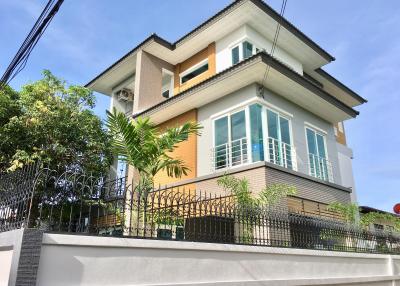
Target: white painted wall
{"points": [[299, 119], [345, 159], [224, 46], [86, 260], [10, 248], [5, 265]]}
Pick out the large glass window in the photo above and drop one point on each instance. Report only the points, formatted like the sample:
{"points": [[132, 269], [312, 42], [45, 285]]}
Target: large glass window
{"points": [[256, 133], [268, 134], [230, 140], [279, 142], [317, 155]]}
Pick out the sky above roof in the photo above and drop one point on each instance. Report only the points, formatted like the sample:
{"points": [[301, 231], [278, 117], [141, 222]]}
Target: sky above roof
{"points": [[87, 36]]}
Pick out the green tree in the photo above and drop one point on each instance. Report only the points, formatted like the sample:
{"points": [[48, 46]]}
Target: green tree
{"points": [[349, 212], [53, 122], [145, 147], [244, 196]]}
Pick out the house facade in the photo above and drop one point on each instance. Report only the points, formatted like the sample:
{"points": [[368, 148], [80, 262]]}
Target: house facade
{"points": [[269, 111]]}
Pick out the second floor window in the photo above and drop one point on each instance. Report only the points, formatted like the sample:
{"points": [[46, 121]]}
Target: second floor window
{"points": [[319, 165], [243, 51]]}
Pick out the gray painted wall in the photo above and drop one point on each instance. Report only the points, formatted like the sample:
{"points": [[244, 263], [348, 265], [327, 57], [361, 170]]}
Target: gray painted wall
{"points": [[300, 117]]}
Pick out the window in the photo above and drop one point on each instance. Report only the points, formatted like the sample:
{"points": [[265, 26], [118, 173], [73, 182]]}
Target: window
{"points": [[243, 51], [247, 50], [256, 133], [378, 227], [267, 132], [318, 161], [279, 143], [230, 140], [194, 71], [235, 55], [167, 84]]}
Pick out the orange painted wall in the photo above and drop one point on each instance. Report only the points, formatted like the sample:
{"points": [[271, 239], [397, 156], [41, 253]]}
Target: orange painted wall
{"points": [[341, 136], [186, 151], [209, 53]]}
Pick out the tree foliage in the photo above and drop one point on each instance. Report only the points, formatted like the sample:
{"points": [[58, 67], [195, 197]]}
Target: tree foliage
{"points": [[349, 212], [142, 145], [244, 195], [351, 215], [51, 121]]}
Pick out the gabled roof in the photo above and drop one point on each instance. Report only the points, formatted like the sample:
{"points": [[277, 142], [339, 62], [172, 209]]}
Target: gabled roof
{"points": [[262, 59], [168, 46]]}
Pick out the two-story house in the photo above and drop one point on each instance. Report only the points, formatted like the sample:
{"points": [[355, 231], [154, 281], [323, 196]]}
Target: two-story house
{"points": [[271, 117]]}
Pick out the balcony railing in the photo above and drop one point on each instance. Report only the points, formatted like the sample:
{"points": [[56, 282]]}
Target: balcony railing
{"points": [[320, 168], [236, 153], [230, 154], [282, 154]]}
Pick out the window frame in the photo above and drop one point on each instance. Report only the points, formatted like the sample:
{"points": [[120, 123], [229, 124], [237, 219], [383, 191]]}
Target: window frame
{"points": [[171, 87], [192, 69], [239, 45], [245, 106], [324, 135]]}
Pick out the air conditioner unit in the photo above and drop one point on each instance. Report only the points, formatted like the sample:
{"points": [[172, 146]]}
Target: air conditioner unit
{"points": [[124, 94]]}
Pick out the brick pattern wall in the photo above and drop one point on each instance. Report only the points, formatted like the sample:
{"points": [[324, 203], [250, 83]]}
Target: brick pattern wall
{"points": [[29, 257], [261, 176], [308, 189]]}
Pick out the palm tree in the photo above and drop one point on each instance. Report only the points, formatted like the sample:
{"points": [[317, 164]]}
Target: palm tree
{"points": [[145, 147]]}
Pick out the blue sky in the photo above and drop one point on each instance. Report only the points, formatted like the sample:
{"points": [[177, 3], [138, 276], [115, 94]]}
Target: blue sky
{"points": [[85, 37]]}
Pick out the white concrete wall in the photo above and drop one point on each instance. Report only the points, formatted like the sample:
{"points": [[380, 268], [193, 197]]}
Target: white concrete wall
{"points": [[87, 260], [224, 46], [298, 120], [345, 157], [5, 265], [10, 248]]}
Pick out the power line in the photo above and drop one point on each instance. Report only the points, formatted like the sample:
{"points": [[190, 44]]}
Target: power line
{"points": [[275, 41], [20, 59]]}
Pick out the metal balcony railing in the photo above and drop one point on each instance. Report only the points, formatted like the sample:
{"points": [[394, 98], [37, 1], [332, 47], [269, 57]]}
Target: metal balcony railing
{"points": [[320, 168], [230, 154], [282, 154], [236, 153]]}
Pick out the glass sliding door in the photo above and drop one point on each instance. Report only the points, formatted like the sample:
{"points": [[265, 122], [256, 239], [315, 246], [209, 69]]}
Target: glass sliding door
{"points": [[221, 138], [238, 138], [317, 156], [230, 140], [279, 141], [256, 133]]}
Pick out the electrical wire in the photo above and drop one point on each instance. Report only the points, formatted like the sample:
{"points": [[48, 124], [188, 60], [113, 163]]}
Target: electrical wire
{"points": [[275, 41], [20, 59]]}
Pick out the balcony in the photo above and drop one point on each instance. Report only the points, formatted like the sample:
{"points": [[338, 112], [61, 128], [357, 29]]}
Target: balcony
{"points": [[320, 168], [236, 153]]}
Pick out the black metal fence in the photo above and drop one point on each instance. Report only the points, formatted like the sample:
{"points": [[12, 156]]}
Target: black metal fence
{"points": [[72, 202]]}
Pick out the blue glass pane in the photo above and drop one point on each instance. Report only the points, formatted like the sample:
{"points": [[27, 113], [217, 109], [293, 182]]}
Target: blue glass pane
{"points": [[235, 55], [272, 124], [257, 145], [285, 131], [247, 50], [238, 125], [221, 131]]}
